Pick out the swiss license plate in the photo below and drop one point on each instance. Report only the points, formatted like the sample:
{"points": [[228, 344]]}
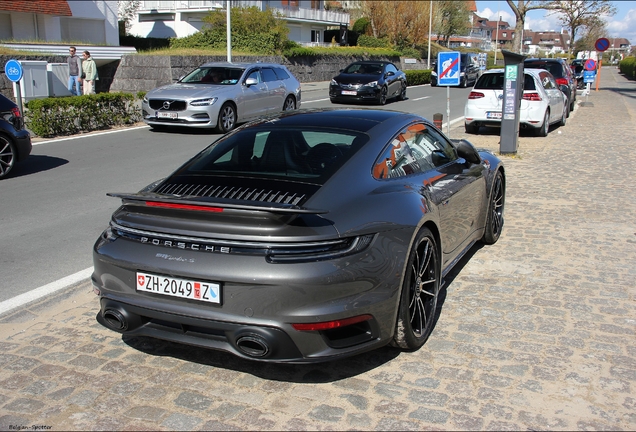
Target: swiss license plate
{"points": [[349, 92], [183, 288], [167, 114], [493, 115]]}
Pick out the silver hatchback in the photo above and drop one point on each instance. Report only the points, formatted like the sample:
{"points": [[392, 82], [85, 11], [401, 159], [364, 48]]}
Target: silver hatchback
{"points": [[221, 95]]}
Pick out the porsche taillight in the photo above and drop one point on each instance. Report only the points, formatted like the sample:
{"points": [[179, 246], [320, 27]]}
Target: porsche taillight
{"points": [[562, 81]]}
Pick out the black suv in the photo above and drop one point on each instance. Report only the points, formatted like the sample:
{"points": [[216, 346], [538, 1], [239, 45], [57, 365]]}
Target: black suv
{"points": [[469, 70], [562, 74], [15, 141]]}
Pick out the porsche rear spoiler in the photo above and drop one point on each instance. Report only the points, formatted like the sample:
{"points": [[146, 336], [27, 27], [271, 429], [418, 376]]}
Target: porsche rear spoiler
{"points": [[219, 205]]}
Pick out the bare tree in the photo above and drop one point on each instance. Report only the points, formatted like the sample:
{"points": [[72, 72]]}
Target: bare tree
{"points": [[593, 29], [451, 18], [579, 13], [126, 10], [520, 10], [404, 23]]}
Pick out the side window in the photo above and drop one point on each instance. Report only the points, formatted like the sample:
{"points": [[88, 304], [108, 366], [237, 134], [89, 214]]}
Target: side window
{"points": [[416, 149], [268, 75], [391, 68], [547, 81], [281, 73]]}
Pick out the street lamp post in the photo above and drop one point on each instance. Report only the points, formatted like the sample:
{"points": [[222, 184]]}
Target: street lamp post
{"points": [[229, 33], [430, 27]]}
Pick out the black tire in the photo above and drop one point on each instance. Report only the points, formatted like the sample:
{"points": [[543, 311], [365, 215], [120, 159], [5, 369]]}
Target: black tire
{"points": [[227, 118], [564, 117], [495, 217], [402, 95], [471, 129], [8, 155], [545, 127], [418, 301], [290, 104], [383, 95]]}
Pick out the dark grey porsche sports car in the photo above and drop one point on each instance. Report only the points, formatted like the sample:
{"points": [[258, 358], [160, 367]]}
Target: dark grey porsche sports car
{"points": [[304, 237]]}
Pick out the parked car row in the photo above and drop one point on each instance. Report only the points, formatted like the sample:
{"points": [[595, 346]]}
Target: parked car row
{"points": [[15, 141]]}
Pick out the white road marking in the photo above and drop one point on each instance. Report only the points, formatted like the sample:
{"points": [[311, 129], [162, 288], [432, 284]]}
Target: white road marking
{"points": [[86, 135], [317, 100], [44, 290], [425, 97]]}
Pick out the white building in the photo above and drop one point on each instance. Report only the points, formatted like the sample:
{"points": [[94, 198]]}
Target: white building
{"points": [[307, 19], [90, 22]]}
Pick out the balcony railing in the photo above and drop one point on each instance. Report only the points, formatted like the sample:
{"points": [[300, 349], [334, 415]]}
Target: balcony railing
{"points": [[287, 12]]}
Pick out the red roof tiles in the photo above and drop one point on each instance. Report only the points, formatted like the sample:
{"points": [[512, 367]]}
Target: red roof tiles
{"points": [[45, 7]]}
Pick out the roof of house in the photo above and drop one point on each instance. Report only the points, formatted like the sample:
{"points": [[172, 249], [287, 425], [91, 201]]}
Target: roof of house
{"points": [[45, 7]]}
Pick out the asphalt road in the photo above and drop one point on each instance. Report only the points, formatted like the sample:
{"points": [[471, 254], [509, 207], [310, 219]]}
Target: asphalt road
{"points": [[54, 205]]}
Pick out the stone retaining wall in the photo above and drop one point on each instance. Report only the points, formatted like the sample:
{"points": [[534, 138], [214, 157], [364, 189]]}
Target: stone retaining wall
{"points": [[134, 73], [143, 73]]}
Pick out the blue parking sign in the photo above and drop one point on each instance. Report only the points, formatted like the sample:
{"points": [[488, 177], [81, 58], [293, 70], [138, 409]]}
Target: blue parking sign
{"points": [[448, 68], [13, 70]]}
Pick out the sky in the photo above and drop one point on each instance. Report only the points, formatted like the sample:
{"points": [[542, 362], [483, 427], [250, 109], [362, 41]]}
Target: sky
{"points": [[622, 24]]}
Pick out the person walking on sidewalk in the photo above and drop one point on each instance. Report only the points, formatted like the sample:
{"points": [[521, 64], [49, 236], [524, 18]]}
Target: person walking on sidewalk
{"points": [[89, 69], [74, 71]]}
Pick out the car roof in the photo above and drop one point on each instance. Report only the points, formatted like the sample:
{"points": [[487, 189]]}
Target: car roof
{"points": [[238, 64], [529, 70], [355, 119]]}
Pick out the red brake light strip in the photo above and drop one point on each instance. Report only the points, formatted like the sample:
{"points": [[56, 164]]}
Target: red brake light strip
{"points": [[183, 206]]}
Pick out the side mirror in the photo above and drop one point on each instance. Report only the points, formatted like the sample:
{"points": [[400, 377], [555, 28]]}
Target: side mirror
{"points": [[251, 82], [467, 151], [565, 89], [389, 74]]}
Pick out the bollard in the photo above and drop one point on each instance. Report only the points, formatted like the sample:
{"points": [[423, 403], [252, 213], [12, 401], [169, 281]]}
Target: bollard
{"points": [[437, 120]]}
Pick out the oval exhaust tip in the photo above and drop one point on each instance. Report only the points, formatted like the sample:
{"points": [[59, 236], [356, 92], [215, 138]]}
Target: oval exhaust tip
{"points": [[253, 346]]}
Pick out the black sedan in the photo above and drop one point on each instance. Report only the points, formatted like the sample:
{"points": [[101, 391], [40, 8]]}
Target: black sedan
{"points": [[368, 81], [304, 237], [15, 141]]}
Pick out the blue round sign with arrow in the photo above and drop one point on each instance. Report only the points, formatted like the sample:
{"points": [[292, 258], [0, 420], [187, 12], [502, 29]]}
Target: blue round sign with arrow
{"points": [[13, 70]]}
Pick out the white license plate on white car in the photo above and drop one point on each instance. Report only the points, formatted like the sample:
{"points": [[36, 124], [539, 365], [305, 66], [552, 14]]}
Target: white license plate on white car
{"points": [[167, 114], [349, 92], [493, 115], [184, 288]]}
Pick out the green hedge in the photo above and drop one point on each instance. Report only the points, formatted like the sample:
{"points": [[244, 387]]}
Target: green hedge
{"points": [[627, 67], [70, 115], [418, 77]]}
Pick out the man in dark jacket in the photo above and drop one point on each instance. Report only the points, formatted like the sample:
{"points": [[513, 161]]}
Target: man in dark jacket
{"points": [[74, 72]]}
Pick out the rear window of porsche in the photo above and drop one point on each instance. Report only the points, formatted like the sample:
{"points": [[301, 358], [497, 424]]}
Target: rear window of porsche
{"points": [[293, 153]]}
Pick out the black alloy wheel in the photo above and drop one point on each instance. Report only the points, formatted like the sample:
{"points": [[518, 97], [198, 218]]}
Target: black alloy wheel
{"points": [[227, 118], [7, 155], [290, 104], [495, 219], [418, 301], [383, 95], [402, 95]]}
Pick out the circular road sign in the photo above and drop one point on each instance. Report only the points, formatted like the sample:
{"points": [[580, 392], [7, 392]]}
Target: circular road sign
{"points": [[590, 65], [13, 70], [602, 44]]}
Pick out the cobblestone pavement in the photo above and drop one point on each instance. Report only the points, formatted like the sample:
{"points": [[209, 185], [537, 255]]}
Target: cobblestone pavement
{"points": [[535, 332]]}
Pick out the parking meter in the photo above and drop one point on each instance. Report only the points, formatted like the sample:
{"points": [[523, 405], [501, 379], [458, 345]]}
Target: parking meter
{"points": [[512, 94]]}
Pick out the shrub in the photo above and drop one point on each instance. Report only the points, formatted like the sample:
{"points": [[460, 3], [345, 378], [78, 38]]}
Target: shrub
{"points": [[74, 114], [627, 66], [371, 42], [418, 77]]}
